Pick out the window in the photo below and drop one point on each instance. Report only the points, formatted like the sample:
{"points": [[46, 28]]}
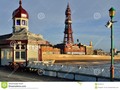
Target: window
{"points": [[23, 22], [23, 55], [2, 54], [20, 53], [18, 22], [23, 47], [17, 55], [8, 55], [17, 47]]}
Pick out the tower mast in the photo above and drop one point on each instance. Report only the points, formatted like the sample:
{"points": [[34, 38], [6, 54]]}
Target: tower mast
{"points": [[68, 37]]}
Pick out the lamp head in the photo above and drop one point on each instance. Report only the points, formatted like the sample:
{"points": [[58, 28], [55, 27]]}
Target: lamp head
{"points": [[112, 12]]}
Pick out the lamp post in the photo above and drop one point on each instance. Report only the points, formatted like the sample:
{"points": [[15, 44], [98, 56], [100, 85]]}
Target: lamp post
{"points": [[112, 14]]}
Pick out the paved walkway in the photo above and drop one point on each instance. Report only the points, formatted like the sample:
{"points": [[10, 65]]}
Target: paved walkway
{"points": [[8, 75]]}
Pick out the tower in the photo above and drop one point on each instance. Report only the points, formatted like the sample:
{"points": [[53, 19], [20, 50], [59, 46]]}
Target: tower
{"points": [[68, 37], [20, 18], [91, 43]]}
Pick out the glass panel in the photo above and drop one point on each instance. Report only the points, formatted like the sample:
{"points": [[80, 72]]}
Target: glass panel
{"points": [[23, 22], [8, 55], [23, 47], [18, 22], [2, 54], [17, 47], [23, 55], [17, 55]]}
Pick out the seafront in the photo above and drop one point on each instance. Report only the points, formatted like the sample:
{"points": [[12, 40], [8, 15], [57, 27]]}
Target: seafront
{"points": [[86, 70]]}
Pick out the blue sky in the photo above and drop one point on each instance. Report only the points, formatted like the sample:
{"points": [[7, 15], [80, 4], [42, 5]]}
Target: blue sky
{"points": [[47, 18]]}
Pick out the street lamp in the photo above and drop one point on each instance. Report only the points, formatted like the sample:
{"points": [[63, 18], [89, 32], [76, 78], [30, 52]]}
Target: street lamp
{"points": [[112, 14]]}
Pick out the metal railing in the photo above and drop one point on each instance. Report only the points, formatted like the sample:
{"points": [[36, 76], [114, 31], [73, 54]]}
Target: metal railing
{"points": [[77, 73], [82, 76]]}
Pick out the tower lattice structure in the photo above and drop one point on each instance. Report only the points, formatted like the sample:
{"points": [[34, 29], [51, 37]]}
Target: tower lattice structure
{"points": [[68, 33]]}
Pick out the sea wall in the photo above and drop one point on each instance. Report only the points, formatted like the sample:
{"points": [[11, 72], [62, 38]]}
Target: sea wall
{"points": [[63, 57]]}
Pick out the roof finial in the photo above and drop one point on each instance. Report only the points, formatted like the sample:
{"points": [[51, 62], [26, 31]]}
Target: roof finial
{"points": [[68, 6], [20, 2]]}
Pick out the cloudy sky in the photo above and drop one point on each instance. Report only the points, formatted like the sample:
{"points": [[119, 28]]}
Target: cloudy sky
{"points": [[47, 18]]}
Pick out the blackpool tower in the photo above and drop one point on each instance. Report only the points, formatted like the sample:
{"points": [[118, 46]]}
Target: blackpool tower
{"points": [[68, 37]]}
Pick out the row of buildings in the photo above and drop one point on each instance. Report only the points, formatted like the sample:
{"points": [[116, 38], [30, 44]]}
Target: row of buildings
{"points": [[22, 45]]}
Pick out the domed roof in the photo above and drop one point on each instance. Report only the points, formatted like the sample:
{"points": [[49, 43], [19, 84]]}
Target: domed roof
{"points": [[20, 12]]}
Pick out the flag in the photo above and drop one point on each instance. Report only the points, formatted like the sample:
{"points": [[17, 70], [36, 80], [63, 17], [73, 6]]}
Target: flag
{"points": [[109, 24]]}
